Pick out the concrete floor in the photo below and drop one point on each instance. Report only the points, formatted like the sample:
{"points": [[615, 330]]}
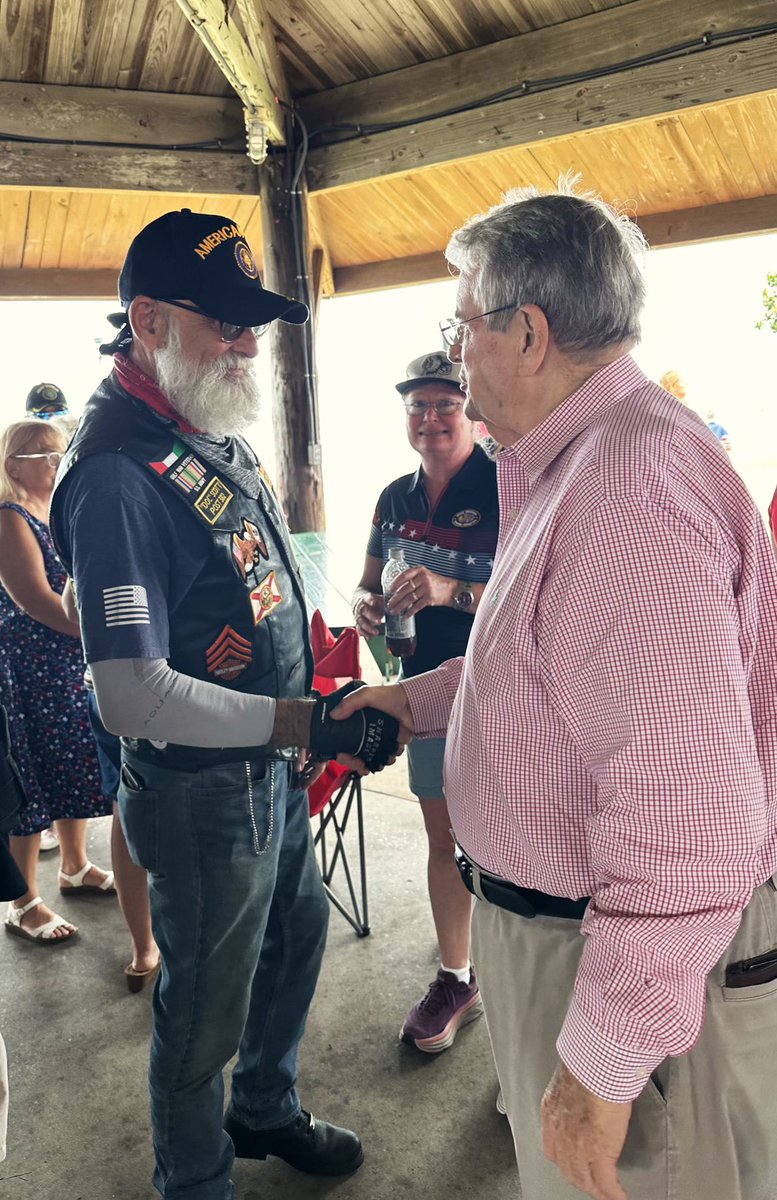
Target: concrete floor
{"points": [[77, 1046]]}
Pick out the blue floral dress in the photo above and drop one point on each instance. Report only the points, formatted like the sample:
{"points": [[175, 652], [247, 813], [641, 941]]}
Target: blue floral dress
{"points": [[41, 685]]}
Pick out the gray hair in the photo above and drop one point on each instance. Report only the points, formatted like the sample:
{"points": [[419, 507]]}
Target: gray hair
{"points": [[572, 255]]}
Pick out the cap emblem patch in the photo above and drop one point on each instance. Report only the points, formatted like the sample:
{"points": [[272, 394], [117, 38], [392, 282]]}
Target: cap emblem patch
{"points": [[245, 260], [436, 364]]}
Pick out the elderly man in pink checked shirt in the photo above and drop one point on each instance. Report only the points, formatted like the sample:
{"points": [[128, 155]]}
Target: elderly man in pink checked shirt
{"points": [[612, 735]]}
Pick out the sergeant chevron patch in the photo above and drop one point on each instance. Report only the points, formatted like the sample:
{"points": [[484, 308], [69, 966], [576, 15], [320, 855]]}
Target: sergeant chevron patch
{"points": [[229, 655]]}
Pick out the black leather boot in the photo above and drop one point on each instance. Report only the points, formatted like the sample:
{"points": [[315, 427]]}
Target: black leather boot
{"points": [[305, 1143]]}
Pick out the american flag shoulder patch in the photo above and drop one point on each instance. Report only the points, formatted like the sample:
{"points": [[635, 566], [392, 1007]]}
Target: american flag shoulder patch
{"points": [[126, 605]]}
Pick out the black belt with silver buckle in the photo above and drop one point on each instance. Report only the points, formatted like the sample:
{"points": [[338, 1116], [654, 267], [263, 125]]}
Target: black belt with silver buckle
{"points": [[195, 758], [524, 902]]}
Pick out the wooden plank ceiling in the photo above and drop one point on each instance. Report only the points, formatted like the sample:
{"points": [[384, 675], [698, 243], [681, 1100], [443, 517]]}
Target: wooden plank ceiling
{"points": [[689, 135]]}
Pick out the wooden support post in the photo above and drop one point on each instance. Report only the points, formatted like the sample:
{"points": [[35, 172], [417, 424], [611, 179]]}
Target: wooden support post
{"points": [[295, 402]]}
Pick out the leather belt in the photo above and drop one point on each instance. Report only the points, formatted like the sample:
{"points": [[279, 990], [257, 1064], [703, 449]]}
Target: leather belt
{"points": [[194, 758], [524, 902]]}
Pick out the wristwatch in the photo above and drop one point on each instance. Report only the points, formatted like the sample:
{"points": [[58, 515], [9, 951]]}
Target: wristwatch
{"points": [[464, 599]]}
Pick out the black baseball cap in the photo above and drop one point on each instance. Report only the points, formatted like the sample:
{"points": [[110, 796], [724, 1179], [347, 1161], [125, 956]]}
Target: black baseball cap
{"points": [[46, 400], [206, 259]]}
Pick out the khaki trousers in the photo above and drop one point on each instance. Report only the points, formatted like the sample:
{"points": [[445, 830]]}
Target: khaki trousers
{"points": [[704, 1128]]}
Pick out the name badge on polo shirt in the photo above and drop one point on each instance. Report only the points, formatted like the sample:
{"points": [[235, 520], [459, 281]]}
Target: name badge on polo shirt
{"points": [[466, 518]]}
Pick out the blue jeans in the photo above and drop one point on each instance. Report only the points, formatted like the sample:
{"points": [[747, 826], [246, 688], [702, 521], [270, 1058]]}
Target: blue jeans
{"points": [[240, 917]]}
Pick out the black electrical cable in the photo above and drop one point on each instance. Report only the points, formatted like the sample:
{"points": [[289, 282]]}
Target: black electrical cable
{"points": [[223, 144]]}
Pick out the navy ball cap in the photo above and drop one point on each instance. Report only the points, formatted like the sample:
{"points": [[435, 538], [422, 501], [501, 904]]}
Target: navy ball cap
{"points": [[204, 258]]}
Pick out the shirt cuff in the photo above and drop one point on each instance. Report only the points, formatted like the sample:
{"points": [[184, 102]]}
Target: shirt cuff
{"points": [[429, 703], [610, 1071]]}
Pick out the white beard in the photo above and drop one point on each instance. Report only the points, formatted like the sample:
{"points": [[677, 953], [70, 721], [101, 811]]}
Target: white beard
{"points": [[202, 394]]}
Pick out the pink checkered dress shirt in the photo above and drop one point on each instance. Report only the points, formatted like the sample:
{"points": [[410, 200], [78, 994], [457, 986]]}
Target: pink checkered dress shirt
{"points": [[612, 730]]}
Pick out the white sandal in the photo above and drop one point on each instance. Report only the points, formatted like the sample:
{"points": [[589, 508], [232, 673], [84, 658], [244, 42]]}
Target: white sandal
{"points": [[76, 886], [49, 840], [44, 934]]}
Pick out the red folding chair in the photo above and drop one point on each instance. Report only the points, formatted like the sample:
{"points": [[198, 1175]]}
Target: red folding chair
{"points": [[338, 792]]}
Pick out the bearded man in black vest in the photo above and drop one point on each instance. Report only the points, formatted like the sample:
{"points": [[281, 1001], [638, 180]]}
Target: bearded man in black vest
{"points": [[201, 662]]}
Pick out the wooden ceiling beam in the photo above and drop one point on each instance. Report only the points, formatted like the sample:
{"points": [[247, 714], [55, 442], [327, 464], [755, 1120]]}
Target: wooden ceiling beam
{"points": [[391, 273], [588, 43], [263, 46], [685, 227], [20, 283], [117, 115], [738, 218], [254, 72], [652, 90], [109, 168]]}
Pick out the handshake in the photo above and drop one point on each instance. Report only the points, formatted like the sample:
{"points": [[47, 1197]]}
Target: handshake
{"points": [[368, 734]]}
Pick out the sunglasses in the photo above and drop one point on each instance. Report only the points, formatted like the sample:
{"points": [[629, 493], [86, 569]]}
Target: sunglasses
{"points": [[52, 457], [227, 331]]}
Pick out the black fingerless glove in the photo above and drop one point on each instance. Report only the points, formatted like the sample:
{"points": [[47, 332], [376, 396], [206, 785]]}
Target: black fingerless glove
{"points": [[371, 735]]}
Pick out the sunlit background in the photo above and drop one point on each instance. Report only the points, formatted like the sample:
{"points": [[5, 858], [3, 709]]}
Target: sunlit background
{"points": [[703, 303]]}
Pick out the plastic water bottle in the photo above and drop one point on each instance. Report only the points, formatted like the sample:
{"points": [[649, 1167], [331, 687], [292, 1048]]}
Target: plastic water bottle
{"points": [[400, 629]]}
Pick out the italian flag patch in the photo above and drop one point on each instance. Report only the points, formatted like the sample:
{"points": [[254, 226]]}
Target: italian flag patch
{"points": [[166, 463]]}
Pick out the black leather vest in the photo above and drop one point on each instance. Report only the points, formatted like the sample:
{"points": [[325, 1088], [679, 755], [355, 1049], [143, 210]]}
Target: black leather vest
{"points": [[243, 623]]}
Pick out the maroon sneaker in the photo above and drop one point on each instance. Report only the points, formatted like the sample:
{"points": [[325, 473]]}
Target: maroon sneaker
{"points": [[433, 1023]]}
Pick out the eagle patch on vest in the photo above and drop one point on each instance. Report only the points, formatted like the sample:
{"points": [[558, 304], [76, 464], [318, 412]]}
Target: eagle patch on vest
{"points": [[248, 549], [265, 598]]}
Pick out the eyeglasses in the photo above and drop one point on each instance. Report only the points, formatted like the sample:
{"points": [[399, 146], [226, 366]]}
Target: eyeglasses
{"points": [[453, 330], [52, 457], [227, 331], [444, 408]]}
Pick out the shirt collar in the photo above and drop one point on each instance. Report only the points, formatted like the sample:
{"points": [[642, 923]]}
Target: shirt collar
{"points": [[414, 481], [536, 450], [474, 458]]}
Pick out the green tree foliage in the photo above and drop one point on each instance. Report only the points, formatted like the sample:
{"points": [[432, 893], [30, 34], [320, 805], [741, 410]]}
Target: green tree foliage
{"points": [[769, 319]]}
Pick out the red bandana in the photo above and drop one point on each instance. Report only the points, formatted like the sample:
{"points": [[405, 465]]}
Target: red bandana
{"points": [[143, 387]]}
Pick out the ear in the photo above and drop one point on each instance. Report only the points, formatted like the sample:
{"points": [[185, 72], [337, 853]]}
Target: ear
{"points": [[534, 339], [148, 322]]}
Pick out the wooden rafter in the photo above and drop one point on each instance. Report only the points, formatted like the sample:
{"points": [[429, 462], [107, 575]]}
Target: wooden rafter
{"points": [[684, 227], [588, 43], [687, 226], [118, 115], [108, 168], [19, 283], [246, 69], [593, 43], [262, 44]]}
